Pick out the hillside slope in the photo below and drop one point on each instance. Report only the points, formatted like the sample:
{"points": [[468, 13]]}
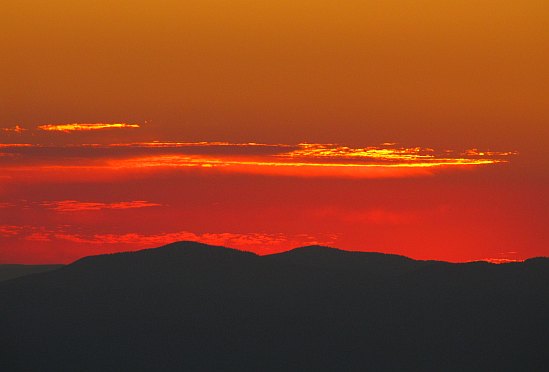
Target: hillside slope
{"points": [[190, 306]]}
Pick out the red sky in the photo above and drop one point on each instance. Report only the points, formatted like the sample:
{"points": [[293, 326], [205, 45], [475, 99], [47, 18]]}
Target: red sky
{"points": [[410, 127]]}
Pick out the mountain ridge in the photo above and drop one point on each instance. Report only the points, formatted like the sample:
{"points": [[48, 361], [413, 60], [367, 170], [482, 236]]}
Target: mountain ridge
{"points": [[301, 250], [190, 306]]}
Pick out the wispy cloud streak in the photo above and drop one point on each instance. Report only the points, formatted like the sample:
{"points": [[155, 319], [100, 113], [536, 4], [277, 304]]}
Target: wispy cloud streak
{"points": [[260, 242], [16, 129], [77, 206], [85, 127], [305, 159]]}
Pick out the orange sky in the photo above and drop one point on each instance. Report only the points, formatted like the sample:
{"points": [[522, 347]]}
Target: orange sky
{"points": [[441, 75]]}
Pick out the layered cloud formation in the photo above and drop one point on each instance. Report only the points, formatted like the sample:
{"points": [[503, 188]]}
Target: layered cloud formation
{"points": [[63, 195], [304, 159]]}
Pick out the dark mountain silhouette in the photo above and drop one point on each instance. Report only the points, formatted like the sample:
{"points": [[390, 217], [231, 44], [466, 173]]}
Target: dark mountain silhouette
{"points": [[190, 306], [11, 271]]}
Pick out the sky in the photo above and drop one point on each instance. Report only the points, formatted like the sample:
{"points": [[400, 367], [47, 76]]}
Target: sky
{"points": [[418, 128]]}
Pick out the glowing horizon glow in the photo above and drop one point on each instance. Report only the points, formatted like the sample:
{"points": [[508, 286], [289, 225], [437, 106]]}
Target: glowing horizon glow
{"points": [[501, 261], [416, 128], [84, 127], [257, 242], [120, 165]]}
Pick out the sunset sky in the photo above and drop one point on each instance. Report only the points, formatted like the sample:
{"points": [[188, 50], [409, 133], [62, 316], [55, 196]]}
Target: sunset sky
{"points": [[412, 127]]}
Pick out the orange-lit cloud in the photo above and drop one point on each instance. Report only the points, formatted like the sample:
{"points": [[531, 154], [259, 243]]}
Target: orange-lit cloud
{"points": [[198, 144], [9, 145], [77, 206], [39, 237], [85, 127], [272, 166], [304, 160], [319, 160], [501, 260], [262, 243], [257, 242], [10, 230], [388, 154], [15, 129]]}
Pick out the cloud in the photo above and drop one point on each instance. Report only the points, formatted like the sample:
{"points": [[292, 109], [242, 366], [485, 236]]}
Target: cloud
{"points": [[328, 160], [236, 240], [504, 257], [85, 127], [15, 129], [256, 241], [15, 145], [500, 260], [389, 154], [39, 237], [303, 160], [77, 206], [10, 230]]}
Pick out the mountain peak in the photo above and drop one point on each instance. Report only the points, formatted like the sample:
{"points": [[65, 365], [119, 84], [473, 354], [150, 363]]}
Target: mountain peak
{"points": [[172, 252], [194, 245]]}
